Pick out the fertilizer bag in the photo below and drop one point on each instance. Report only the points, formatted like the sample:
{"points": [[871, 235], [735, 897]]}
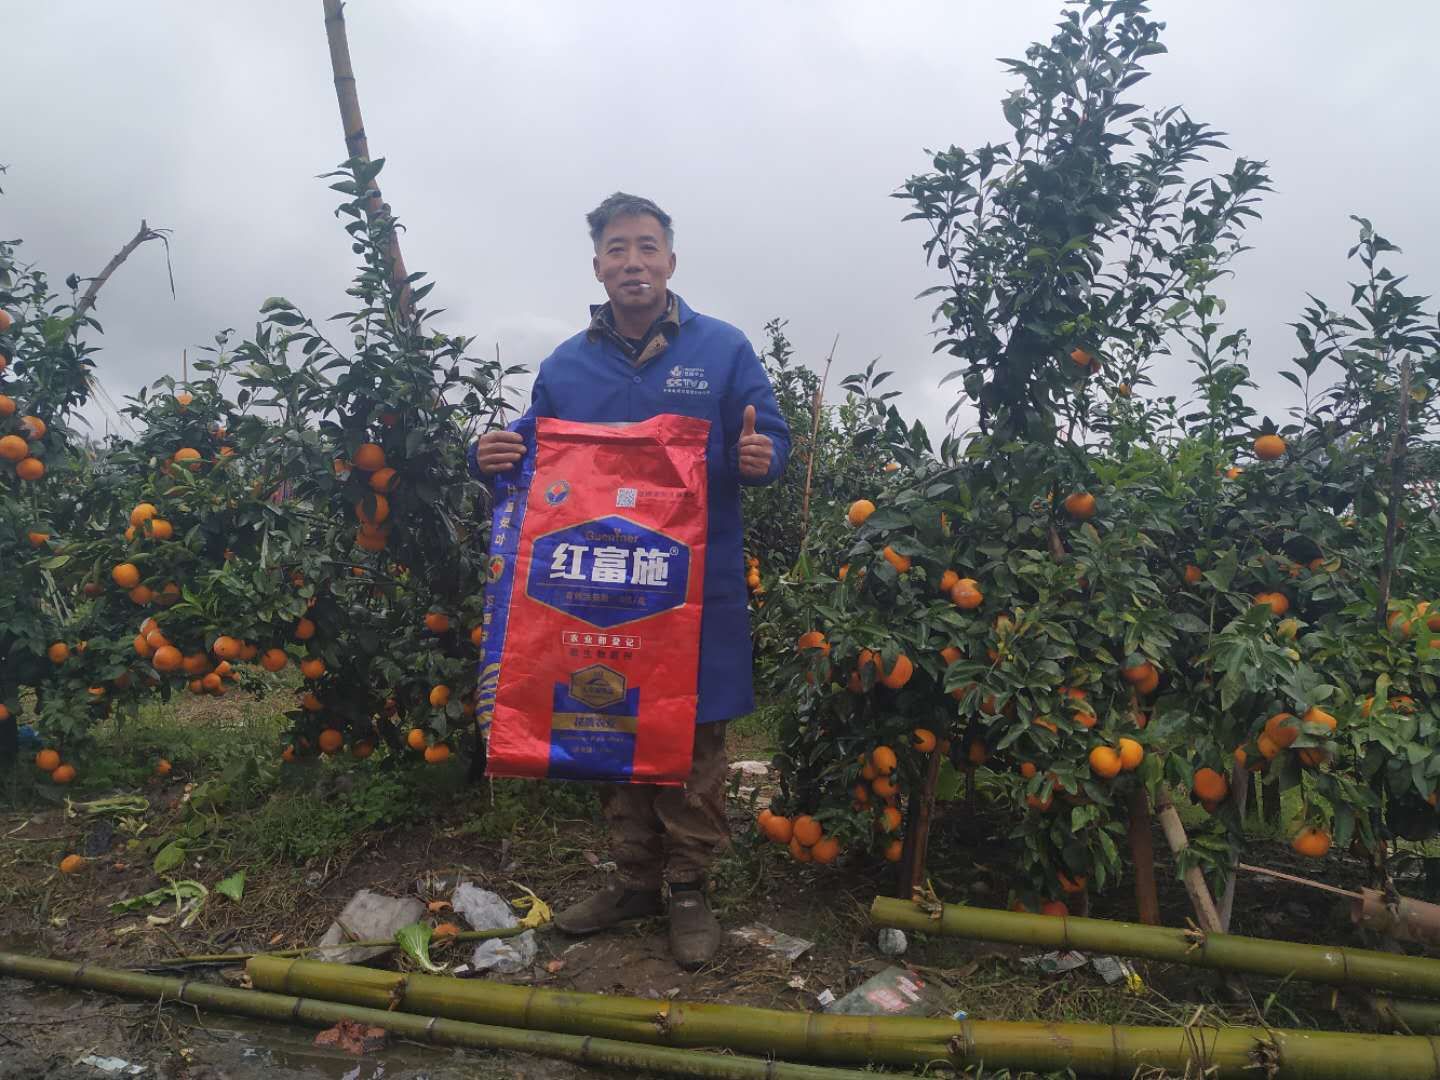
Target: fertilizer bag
{"points": [[593, 601]]}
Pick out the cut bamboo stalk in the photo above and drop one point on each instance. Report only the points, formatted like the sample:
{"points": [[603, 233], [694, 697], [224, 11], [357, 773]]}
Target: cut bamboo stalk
{"points": [[235, 958], [1411, 1017], [1408, 920], [1333, 966], [1142, 855], [1194, 877], [574, 1048], [1087, 1049]]}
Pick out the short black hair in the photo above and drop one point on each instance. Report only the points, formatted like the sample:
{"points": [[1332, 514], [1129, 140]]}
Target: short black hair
{"points": [[622, 204]]}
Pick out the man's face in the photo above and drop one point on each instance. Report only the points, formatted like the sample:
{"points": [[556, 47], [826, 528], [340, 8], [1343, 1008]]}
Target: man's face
{"points": [[634, 263]]}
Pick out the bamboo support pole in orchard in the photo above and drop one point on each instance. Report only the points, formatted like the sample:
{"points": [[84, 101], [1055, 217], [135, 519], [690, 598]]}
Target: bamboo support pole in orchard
{"points": [[1193, 877], [1088, 1049], [605, 1053], [1396, 460], [1240, 793], [357, 145], [1411, 1017], [1330, 965], [236, 958]]}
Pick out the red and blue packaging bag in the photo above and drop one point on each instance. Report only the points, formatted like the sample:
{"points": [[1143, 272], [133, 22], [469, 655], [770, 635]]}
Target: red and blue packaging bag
{"points": [[593, 599]]}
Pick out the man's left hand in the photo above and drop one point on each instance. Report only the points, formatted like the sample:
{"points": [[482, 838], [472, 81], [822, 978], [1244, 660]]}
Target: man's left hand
{"points": [[756, 453]]}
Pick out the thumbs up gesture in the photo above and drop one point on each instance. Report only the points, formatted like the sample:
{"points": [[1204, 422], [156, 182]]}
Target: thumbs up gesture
{"points": [[756, 453]]}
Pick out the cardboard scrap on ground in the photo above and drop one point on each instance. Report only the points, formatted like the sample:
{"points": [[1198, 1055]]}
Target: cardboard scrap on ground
{"points": [[369, 916], [352, 1037]]}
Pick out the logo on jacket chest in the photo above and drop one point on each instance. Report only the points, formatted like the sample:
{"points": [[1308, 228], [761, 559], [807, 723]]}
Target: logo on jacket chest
{"points": [[687, 381]]}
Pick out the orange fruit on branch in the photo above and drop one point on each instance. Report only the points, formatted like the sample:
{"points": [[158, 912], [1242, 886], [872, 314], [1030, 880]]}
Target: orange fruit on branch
{"points": [[1071, 886], [977, 753], [1312, 842], [948, 580], [159, 529], [779, 829], [901, 563], [1055, 908], [1282, 729], [807, 830], [899, 674], [798, 851], [13, 448], [330, 740], [30, 469], [1278, 602], [126, 575], [370, 457], [58, 652], [416, 739], [825, 851], [894, 850], [1209, 785], [1193, 574], [1080, 505], [33, 426], [1105, 762], [383, 480], [226, 647], [7, 403], [142, 513], [859, 512], [1028, 769], [439, 696], [890, 819], [1138, 672], [437, 622], [274, 659], [966, 594], [883, 759], [64, 774], [437, 753], [812, 639], [1131, 754], [1269, 447], [47, 760], [924, 740], [373, 515], [312, 667], [884, 786], [189, 456], [304, 631], [167, 658]]}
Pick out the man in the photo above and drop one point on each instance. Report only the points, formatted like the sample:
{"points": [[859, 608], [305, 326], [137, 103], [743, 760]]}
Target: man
{"points": [[647, 352]]}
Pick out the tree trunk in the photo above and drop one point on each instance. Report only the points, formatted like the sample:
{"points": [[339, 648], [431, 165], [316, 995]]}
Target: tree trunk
{"points": [[1240, 787], [917, 834], [1200, 899], [1270, 802], [1142, 855]]}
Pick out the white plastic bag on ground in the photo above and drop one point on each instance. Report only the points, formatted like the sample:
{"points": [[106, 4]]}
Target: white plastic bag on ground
{"points": [[485, 910]]}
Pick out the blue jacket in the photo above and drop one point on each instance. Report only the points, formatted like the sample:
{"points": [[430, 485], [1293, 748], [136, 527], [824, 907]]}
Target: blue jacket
{"points": [[709, 370]]}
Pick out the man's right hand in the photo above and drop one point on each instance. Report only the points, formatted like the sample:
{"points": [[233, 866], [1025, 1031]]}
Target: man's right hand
{"points": [[498, 451]]}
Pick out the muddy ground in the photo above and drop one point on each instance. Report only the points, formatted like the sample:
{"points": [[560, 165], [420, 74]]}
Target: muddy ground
{"points": [[558, 849]]}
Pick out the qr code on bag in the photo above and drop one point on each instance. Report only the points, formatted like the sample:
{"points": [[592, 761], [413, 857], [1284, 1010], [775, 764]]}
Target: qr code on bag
{"points": [[624, 497]]}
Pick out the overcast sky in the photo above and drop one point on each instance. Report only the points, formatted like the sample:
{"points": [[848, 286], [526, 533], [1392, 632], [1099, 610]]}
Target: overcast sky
{"points": [[773, 132]]}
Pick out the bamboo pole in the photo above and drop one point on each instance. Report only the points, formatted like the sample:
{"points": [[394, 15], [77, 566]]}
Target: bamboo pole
{"points": [[357, 145], [582, 1051], [1411, 1017], [235, 958], [816, 407], [1087, 1049], [87, 301], [1194, 877], [1142, 855], [1331, 965]]}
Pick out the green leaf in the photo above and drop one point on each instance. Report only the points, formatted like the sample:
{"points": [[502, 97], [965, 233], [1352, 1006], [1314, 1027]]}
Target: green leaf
{"points": [[171, 857], [232, 887], [415, 940]]}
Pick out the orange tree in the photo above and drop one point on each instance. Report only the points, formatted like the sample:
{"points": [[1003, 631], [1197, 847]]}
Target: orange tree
{"points": [[1088, 592], [298, 505], [380, 576], [44, 378]]}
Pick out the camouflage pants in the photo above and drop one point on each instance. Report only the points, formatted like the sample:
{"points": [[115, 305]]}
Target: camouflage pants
{"points": [[671, 833]]}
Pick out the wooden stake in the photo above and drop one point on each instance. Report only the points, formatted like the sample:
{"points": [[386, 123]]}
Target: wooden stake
{"points": [[87, 301], [1200, 899], [357, 146], [1396, 460], [816, 408]]}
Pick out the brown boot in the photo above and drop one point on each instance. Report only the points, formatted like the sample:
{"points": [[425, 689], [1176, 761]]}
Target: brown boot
{"points": [[694, 930], [609, 907]]}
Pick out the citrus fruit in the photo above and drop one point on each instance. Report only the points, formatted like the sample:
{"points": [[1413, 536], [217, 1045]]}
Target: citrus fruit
{"points": [[1105, 762], [437, 753], [1269, 447], [1080, 505], [369, 457], [1209, 785], [1311, 842], [47, 760], [860, 511], [807, 830]]}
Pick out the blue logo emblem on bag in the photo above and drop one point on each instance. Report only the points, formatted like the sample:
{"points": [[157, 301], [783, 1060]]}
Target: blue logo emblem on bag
{"points": [[609, 571], [556, 493]]}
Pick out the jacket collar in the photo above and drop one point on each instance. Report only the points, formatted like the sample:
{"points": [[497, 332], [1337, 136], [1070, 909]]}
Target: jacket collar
{"points": [[657, 338]]}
